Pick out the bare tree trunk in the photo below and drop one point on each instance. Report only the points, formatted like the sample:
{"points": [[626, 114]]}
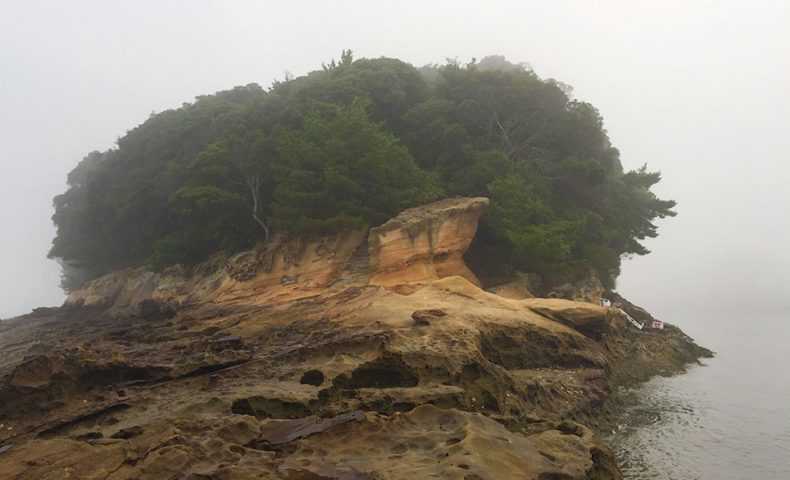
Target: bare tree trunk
{"points": [[255, 184], [511, 129]]}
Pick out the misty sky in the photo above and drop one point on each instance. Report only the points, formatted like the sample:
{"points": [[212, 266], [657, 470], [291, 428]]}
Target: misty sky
{"points": [[697, 89]]}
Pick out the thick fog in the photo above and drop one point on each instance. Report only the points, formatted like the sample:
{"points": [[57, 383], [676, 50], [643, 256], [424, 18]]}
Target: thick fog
{"points": [[697, 89]]}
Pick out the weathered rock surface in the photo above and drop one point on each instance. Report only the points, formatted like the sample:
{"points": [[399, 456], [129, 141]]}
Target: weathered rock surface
{"points": [[426, 243], [284, 271], [419, 245], [232, 371], [589, 319]]}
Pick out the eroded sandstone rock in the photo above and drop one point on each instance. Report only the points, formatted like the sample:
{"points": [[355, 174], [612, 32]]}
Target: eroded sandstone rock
{"points": [[588, 318], [284, 271], [426, 243], [419, 245], [290, 364]]}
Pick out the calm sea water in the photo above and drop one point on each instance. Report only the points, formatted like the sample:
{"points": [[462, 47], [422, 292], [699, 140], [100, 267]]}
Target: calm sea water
{"points": [[729, 419]]}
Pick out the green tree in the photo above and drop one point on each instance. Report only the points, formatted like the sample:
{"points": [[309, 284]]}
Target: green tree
{"points": [[340, 170], [352, 144]]}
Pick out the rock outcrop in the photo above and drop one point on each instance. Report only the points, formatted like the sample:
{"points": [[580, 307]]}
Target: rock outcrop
{"points": [[426, 243], [419, 245], [590, 319], [304, 362], [285, 270]]}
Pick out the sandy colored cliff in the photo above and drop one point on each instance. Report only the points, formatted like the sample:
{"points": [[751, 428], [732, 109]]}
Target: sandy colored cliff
{"points": [[426, 243], [361, 356]]}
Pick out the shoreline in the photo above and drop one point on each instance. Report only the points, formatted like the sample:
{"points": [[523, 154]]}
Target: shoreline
{"points": [[368, 355], [560, 401]]}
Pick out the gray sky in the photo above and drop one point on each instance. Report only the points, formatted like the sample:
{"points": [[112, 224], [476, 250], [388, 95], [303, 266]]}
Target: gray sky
{"points": [[697, 89]]}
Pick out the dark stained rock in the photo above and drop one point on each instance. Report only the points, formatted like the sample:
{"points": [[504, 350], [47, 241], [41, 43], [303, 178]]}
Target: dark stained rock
{"points": [[424, 317], [152, 309], [276, 432], [127, 433]]}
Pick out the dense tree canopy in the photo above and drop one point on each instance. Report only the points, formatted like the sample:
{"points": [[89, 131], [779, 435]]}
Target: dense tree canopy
{"points": [[351, 145]]}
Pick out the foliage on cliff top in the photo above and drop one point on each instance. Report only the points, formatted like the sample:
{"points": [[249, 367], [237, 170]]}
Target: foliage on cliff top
{"points": [[351, 145]]}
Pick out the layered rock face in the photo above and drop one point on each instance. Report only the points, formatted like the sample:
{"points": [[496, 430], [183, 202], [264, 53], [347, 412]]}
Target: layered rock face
{"points": [[284, 271], [426, 243], [312, 362], [419, 245]]}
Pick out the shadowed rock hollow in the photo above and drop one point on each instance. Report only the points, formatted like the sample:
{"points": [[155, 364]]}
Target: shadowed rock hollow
{"points": [[361, 356]]}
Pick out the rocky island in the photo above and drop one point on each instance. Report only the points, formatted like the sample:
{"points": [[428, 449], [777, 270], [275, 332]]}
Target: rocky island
{"points": [[367, 354]]}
